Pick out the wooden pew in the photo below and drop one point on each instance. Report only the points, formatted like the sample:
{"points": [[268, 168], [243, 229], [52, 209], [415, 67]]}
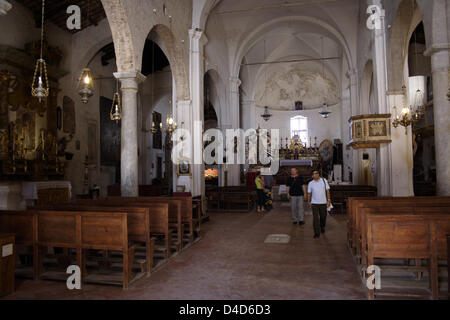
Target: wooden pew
{"points": [[186, 211], [411, 210], [341, 193], [79, 230], [353, 225], [225, 197], [418, 236], [138, 224], [448, 265], [174, 215], [159, 220], [23, 225]]}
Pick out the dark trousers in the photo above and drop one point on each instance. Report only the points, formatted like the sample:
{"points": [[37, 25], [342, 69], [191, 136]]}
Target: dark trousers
{"points": [[319, 216], [261, 197]]}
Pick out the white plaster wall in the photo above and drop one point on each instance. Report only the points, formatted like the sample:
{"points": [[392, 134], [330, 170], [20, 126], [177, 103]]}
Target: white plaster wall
{"points": [[317, 126]]}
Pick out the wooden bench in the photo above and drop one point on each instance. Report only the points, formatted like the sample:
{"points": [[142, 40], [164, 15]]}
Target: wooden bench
{"points": [[341, 193], [23, 225], [223, 198], [139, 227], [418, 236], [159, 219], [412, 210], [354, 204], [186, 213], [79, 230]]}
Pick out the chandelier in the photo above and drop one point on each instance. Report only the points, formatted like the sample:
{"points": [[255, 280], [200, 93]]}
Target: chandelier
{"points": [[266, 116], [116, 108], [171, 125], [407, 116], [325, 113], [85, 85], [42, 89]]}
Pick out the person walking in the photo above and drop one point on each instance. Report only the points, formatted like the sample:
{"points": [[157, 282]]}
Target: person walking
{"points": [[296, 191], [319, 200], [259, 181]]}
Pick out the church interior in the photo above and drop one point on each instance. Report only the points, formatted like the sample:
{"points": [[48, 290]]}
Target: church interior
{"points": [[105, 112]]}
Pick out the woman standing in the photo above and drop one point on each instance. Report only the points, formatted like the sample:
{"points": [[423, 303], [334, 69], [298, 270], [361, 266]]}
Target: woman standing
{"points": [[259, 181]]}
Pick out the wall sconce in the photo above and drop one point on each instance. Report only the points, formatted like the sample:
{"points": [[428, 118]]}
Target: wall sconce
{"points": [[407, 116], [171, 125]]}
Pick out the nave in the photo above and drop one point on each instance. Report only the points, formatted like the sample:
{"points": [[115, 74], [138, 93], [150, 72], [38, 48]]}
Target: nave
{"points": [[231, 261]]}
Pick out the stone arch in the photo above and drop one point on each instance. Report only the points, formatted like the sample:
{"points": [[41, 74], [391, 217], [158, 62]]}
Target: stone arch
{"points": [[201, 10], [174, 53], [121, 34], [407, 18], [258, 33]]}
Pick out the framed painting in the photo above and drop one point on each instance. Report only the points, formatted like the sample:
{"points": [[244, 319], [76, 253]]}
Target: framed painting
{"points": [[184, 168]]}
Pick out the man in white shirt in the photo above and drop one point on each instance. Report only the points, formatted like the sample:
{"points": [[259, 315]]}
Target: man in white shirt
{"points": [[319, 199]]}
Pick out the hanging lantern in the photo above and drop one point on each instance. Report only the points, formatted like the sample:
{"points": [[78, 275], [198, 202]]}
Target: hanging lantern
{"points": [[418, 103], [40, 72], [266, 116], [116, 108], [325, 113], [86, 85]]}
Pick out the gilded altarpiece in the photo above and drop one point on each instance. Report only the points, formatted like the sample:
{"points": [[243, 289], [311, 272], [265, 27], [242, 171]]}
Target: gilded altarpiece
{"points": [[28, 128]]}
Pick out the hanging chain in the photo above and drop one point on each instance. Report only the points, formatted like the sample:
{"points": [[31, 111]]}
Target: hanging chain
{"points": [[42, 26]]}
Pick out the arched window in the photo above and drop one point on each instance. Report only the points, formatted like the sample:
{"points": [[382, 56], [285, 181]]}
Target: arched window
{"points": [[299, 127]]}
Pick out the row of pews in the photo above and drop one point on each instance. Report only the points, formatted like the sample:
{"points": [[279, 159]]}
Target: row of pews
{"points": [[231, 198], [114, 240], [406, 237]]}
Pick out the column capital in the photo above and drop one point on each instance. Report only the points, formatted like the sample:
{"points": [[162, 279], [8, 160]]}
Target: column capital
{"points": [[248, 102], [130, 79], [352, 75], [436, 48], [184, 103], [235, 81], [5, 6], [199, 35]]}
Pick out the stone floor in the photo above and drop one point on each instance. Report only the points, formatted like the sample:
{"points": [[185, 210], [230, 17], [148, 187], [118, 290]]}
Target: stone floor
{"points": [[233, 262]]}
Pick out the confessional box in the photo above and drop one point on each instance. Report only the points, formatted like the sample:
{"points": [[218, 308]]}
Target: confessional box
{"points": [[7, 251]]}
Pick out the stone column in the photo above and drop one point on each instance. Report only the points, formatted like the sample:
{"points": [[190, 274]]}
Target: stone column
{"points": [[355, 155], [5, 6], [384, 158], [198, 41], [248, 114], [183, 116], [402, 158], [440, 70], [129, 165], [234, 170]]}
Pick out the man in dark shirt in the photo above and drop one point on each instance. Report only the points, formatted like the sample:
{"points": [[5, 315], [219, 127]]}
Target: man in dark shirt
{"points": [[296, 191]]}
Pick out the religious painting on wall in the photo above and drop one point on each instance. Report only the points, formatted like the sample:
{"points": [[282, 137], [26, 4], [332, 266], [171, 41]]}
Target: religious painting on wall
{"points": [[69, 121], [298, 105], [109, 135], [184, 168], [157, 136], [92, 142]]}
